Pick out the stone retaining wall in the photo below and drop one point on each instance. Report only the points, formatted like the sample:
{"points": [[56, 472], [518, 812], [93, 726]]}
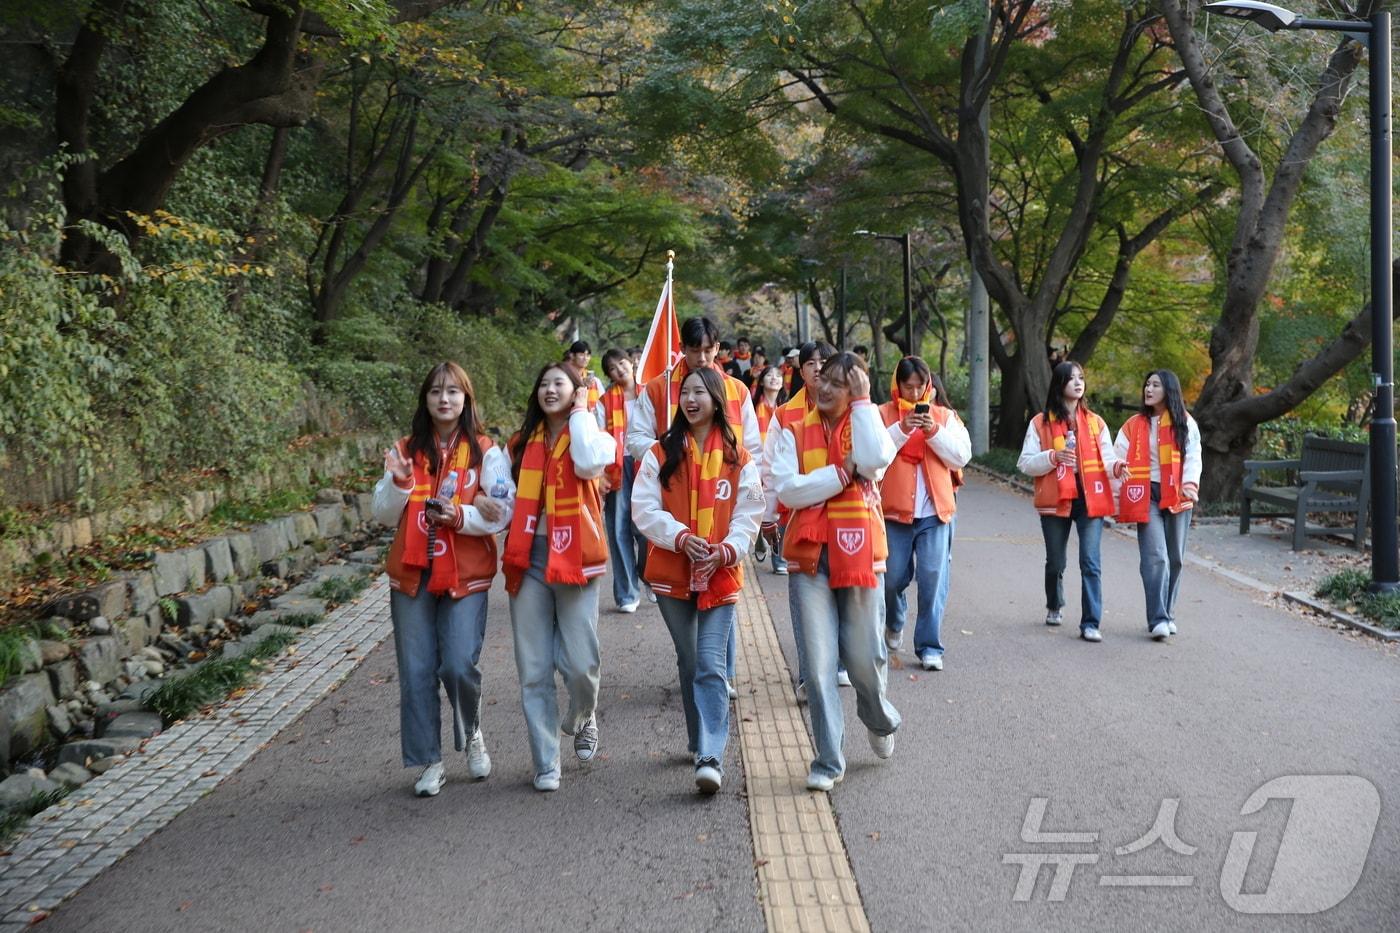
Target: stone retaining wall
{"points": [[121, 634], [329, 457]]}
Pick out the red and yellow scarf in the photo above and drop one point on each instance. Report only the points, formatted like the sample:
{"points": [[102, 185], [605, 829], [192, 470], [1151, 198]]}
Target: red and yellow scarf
{"points": [[735, 393], [914, 445], [1135, 499], [443, 559], [764, 413], [708, 516], [615, 422], [847, 522], [562, 505], [1056, 491]]}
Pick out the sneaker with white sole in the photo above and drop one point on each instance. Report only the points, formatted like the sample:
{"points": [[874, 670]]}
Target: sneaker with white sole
{"points": [[547, 781], [1090, 633], [629, 608], [823, 782], [586, 739], [651, 595], [893, 639], [802, 692], [478, 762], [843, 679], [1171, 628], [707, 779], [1161, 630], [430, 781], [733, 694], [780, 569], [1054, 617], [881, 745], [931, 661]]}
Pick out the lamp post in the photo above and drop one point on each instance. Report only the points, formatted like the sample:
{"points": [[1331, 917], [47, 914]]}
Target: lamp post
{"points": [[1375, 34], [908, 255]]}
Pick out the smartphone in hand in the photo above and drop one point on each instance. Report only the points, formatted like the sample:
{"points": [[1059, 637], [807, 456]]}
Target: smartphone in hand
{"points": [[921, 408]]}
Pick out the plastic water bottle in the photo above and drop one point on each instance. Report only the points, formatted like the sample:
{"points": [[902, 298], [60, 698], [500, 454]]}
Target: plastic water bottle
{"points": [[499, 489], [448, 488], [1069, 439]]}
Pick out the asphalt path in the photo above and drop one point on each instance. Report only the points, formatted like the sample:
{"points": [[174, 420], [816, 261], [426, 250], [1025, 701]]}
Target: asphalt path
{"points": [[1247, 692], [320, 831]]}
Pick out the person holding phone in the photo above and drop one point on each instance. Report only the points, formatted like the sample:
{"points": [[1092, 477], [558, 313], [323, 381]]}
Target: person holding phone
{"points": [[698, 498], [919, 499], [555, 552], [448, 490], [1068, 452]]}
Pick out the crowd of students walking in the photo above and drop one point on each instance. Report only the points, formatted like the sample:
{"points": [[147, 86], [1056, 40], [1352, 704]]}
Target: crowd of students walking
{"points": [[677, 481]]}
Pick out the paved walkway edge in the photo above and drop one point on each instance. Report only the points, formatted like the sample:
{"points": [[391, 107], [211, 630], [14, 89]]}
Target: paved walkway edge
{"points": [[1234, 576], [70, 843], [805, 879]]}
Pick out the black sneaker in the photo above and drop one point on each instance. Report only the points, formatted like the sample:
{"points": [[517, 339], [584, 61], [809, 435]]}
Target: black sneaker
{"points": [[586, 739]]}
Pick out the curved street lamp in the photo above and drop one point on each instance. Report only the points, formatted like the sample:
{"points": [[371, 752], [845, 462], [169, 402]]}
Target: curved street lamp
{"points": [[1375, 34], [903, 240]]}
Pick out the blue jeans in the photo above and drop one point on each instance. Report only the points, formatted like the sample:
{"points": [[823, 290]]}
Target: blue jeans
{"points": [[1161, 552], [842, 626], [927, 543], [1056, 533], [437, 639], [626, 547], [555, 627], [701, 640]]}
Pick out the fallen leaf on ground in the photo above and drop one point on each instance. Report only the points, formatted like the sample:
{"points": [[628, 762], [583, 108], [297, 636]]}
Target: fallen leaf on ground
{"points": [[326, 888], [356, 840], [874, 836]]}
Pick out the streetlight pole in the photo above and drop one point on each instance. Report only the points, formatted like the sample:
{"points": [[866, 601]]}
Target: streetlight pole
{"points": [[907, 254], [1375, 33]]}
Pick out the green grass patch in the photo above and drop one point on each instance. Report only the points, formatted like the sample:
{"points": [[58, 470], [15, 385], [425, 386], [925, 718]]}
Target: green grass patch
{"points": [[12, 821], [999, 460], [301, 619], [12, 641], [1347, 590], [180, 697], [273, 505], [338, 590]]}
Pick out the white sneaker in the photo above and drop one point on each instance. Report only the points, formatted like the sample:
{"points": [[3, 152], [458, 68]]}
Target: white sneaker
{"points": [[733, 694], [1171, 628], [893, 639], [651, 595], [881, 745], [1090, 633], [1054, 617], [629, 607], [780, 569], [823, 782], [931, 661], [802, 693], [586, 739], [1161, 630], [547, 781], [478, 762], [843, 679], [430, 781], [707, 779]]}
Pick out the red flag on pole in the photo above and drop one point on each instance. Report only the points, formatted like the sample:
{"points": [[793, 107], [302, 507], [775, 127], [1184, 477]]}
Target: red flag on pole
{"points": [[663, 346]]}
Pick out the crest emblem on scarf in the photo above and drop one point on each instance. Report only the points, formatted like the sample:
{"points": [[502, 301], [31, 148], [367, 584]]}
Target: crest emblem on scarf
{"points": [[851, 540], [439, 547], [1135, 493], [1060, 471], [560, 539]]}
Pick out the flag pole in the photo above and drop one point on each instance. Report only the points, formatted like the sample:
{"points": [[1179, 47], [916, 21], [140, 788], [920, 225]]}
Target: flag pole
{"points": [[670, 269]]}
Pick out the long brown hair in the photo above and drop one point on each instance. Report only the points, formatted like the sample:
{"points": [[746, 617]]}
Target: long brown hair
{"points": [[423, 436], [534, 414], [673, 442]]}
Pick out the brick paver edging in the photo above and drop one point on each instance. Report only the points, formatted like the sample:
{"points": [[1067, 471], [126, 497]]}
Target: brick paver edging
{"points": [[70, 843], [805, 879]]}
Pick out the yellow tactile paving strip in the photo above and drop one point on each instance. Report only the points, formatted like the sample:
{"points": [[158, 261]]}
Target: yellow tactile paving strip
{"points": [[804, 878]]}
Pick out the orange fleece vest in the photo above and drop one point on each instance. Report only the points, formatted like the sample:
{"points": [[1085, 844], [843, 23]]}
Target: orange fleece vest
{"points": [[476, 554], [668, 572], [898, 489], [1098, 491]]}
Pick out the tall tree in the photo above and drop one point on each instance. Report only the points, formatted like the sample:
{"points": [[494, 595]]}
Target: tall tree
{"points": [[1267, 180]]}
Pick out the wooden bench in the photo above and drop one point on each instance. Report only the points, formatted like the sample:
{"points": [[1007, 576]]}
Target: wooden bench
{"points": [[1330, 476]]}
